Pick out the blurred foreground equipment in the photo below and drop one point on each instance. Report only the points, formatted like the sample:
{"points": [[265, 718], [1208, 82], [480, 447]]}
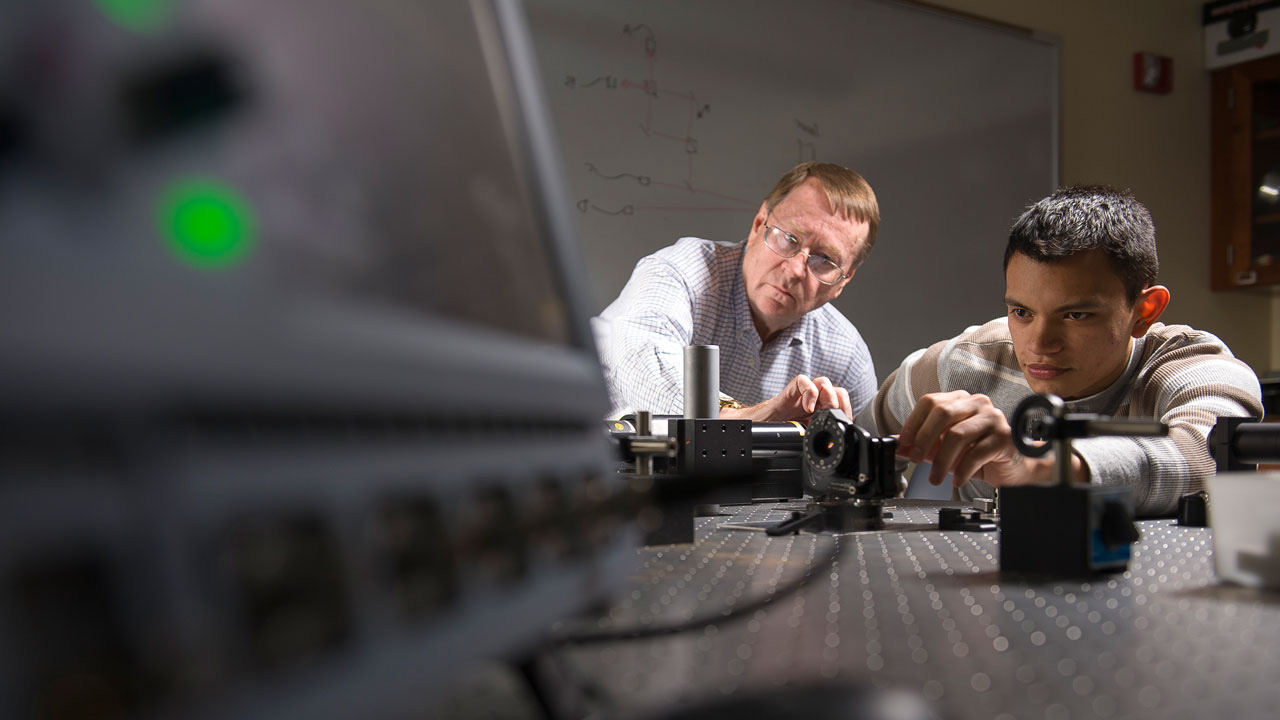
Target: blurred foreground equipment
{"points": [[1065, 528], [298, 404]]}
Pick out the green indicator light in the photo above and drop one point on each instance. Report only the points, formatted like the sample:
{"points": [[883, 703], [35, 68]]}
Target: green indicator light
{"points": [[206, 223], [136, 15]]}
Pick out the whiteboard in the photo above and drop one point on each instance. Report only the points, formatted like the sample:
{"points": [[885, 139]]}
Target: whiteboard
{"points": [[676, 118]]}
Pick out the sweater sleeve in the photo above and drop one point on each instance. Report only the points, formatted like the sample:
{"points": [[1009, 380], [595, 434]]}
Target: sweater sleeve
{"points": [[1187, 385], [916, 377]]}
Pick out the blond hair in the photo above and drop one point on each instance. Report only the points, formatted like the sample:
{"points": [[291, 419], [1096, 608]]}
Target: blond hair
{"points": [[848, 194]]}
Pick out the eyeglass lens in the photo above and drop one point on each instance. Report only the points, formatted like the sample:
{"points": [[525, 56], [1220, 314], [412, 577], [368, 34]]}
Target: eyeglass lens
{"points": [[788, 246]]}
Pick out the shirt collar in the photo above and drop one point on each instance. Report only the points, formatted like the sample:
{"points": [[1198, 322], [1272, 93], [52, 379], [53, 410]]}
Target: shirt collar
{"points": [[1107, 401], [793, 334]]}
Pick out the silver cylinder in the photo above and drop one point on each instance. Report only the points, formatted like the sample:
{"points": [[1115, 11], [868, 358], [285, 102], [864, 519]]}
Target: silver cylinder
{"points": [[1062, 461], [702, 381], [644, 461]]}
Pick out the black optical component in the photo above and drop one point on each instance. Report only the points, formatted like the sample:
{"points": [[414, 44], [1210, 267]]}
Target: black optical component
{"points": [[841, 460]]}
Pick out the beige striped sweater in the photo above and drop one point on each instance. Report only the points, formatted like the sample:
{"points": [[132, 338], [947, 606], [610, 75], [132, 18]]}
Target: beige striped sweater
{"points": [[1187, 378]]}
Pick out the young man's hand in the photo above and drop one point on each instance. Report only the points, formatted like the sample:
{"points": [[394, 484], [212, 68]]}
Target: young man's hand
{"points": [[965, 435], [799, 400]]}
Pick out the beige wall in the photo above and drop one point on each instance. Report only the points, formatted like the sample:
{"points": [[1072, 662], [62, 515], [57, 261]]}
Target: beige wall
{"points": [[1157, 146]]}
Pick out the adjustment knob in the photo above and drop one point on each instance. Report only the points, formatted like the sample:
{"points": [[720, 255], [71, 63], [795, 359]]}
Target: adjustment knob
{"points": [[1117, 525]]}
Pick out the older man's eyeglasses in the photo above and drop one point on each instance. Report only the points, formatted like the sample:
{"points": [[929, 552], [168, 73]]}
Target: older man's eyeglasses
{"points": [[783, 243]]}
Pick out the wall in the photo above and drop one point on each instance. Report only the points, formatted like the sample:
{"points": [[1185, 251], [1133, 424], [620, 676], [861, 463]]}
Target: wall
{"points": [[1157, 146], [676, 119]]}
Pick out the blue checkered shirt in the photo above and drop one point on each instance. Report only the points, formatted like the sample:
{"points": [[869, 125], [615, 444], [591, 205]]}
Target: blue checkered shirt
{"points": [[692, 293]]}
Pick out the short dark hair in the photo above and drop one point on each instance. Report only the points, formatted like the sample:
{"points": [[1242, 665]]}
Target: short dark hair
{"points": [[1090, 217]]}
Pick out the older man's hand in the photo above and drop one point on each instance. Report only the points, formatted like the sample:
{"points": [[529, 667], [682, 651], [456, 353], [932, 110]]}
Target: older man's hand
{"points": [[799, 400]]}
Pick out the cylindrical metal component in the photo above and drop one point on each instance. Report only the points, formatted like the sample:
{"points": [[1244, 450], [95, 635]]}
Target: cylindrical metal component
{"points": [[644, 461], [1062, 460], [644, 422], [702, 381], [1126, 427], [651, 447], [1256, 443], [784, 439]]}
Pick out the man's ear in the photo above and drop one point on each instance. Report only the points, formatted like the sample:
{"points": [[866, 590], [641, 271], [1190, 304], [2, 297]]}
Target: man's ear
{"points": [[761, 216], [1149, 307]]}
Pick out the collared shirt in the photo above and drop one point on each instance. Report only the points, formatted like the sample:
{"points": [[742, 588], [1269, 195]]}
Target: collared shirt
{"points": [[692, 293], [1185, 378]]}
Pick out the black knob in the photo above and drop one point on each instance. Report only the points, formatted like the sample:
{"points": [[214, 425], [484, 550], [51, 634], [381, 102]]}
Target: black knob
{"points": [[1117, 525], [1193, 509]]}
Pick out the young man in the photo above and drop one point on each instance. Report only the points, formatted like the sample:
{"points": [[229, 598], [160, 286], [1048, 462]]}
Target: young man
{"points": [[784, 351], [1080, 270]]}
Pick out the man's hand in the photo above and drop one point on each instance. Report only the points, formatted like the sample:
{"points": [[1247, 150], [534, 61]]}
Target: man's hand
{"points": [[964, 435], [799, 400]]}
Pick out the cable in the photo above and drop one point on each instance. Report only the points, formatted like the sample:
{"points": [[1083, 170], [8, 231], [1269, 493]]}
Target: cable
{"points": [[585, 637]]}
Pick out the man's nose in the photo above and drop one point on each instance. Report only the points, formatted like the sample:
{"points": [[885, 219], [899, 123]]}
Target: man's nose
{"points": [[1046, 338], [799, 263]]}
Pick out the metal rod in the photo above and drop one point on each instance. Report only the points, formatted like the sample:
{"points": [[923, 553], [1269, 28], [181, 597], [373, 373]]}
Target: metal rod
{"points": [[1062, 460], [1126, 427], [644, 461], [652, 446]]}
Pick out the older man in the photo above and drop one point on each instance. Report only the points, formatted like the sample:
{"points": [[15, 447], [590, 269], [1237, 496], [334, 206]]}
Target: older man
{"points": [[785, 352]]}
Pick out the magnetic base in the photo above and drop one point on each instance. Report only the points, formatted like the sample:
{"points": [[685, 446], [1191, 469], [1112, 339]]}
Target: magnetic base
{"points": [[835, 516]]}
